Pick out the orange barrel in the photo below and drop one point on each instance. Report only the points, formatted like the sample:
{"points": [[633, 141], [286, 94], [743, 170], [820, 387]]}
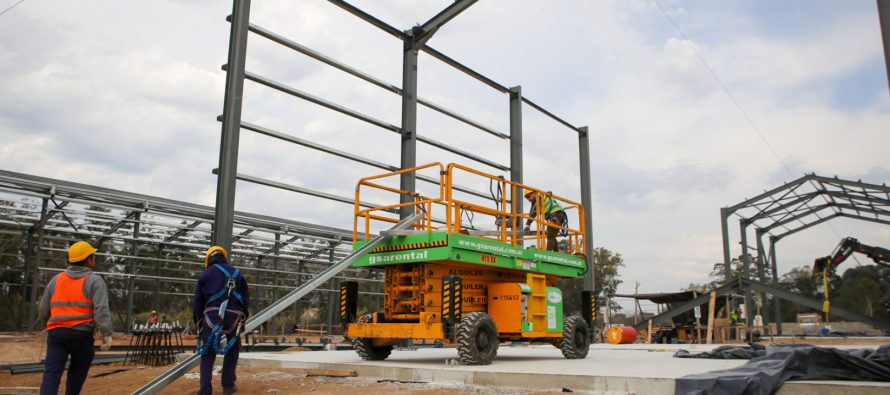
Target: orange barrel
{"points": [[621, 335]]}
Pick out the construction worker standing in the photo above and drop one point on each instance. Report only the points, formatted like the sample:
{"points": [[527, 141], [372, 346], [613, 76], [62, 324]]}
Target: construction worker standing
{"points": [[74, 304], [153, 318], [220, 307], [553, 214]]}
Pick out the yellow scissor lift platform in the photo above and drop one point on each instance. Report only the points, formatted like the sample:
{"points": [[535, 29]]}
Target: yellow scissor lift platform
{"points": [[466, 279]]}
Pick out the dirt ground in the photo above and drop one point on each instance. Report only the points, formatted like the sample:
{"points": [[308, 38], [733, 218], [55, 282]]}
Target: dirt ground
{"points": [[120, 379], [111, 379]]}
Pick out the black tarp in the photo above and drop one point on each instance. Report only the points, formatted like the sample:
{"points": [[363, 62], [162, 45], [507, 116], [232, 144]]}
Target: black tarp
{"points": [[765, 373]]}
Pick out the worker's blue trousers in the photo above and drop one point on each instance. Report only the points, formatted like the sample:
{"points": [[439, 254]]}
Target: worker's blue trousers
{"points": [[60, 343], [230, 361]]}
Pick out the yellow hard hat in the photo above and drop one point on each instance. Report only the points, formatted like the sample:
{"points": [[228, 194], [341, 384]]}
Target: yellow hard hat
{"points": [[528, 192], [154, 312], [80, 251], [210, 252]]}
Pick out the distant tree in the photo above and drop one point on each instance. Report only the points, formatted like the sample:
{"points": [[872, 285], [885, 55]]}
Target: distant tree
{"points": [[606, 281], [863, 290], [605, 271], [799, 280]]}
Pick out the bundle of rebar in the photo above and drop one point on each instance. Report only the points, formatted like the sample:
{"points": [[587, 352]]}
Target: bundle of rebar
{"points": [[155, 345]]}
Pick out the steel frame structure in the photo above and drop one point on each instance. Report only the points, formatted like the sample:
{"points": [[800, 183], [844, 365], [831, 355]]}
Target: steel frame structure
{"points": [[415, 41], [793, 207], [151, 247]]}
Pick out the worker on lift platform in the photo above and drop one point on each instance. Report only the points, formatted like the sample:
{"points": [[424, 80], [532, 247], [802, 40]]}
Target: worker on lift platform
{"points": [[552, 212]]}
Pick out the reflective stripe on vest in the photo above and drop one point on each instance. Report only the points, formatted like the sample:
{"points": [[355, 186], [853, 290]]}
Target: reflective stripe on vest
{"points": [[69, 306], [550, 205]]}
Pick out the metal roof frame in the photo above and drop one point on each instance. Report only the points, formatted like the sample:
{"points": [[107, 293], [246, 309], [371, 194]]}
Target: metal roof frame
{"points": [[791, 208]]}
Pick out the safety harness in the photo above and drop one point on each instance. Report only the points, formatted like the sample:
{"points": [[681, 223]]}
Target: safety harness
{"points": [[220, 339], [550, 215]]}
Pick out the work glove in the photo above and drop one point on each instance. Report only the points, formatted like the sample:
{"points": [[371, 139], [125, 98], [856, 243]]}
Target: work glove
{"points": [[106, 344]]}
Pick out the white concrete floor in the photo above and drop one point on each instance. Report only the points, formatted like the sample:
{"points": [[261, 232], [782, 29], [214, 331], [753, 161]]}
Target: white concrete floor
{"points": [[632, 368]]}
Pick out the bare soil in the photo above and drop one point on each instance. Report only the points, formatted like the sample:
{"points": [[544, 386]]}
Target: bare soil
{"points": [[124, 379]]}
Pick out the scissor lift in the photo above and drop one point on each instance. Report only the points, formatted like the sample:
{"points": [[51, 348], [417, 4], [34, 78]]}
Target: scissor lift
{"points": [[453, 281]]}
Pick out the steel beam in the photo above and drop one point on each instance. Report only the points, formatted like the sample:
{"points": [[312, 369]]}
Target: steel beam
{"points": [[428, 29], [333, 151], [814, 304], [777, 308], [746, 269], [409, 123], [516, 149], [131, 271], [550, 115], [761, 273], [587, 203], [305, 191], [368, 78], [724, 228], [224, 212], [369, 18]]}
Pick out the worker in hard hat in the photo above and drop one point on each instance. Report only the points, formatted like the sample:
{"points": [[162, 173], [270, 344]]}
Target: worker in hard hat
{"points": [[73, 306], [153, 318], [220, 308], [553, 213]]}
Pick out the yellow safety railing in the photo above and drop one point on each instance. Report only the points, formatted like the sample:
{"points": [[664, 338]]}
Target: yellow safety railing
{"points": [[507, 223]]}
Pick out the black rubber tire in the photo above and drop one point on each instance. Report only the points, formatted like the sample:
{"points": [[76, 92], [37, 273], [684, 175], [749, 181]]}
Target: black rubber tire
{"points": [[575, 338], [368, 351], [477, 339]]}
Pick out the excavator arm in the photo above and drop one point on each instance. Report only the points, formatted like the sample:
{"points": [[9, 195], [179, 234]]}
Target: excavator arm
{"points": [[847, 247]]}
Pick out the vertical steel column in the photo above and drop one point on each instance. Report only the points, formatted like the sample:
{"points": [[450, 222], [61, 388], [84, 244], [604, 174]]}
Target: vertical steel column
{"points": [[274, 294], [224, 212], [301, 268], [131, 272], [334, 297], [35, 278], [258, 280], [29, 247], [587, 202], [157, 295], [724, 227], [746, 269], [516, 146], [884, 18], [29, 254], [776, 301], [409, 121], [761, 274]]}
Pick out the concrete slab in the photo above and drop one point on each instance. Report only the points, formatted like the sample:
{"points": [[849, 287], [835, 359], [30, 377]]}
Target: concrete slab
{"points": [[632, 368]]}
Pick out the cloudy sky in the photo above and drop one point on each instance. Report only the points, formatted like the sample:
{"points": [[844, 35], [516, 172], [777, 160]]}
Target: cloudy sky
{"points": [[125, 94]]}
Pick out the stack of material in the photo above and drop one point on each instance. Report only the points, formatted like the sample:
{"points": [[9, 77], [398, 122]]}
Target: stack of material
{"points": [[155, 345]]}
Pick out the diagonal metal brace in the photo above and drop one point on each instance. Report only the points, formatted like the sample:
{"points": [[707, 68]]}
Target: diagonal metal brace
{"points": [[278, 306]]}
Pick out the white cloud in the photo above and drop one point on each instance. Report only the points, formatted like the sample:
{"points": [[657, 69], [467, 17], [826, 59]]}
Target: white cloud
{"points": [[125, 95]]}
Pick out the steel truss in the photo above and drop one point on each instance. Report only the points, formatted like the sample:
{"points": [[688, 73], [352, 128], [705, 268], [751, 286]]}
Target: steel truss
{"points": [[791, 208], [781, 212], [150, 248]]}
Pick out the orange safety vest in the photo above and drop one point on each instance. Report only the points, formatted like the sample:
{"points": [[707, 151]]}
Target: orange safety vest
{"points": [[69, 306]]}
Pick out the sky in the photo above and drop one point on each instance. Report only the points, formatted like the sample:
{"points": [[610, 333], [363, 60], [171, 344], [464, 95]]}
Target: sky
{"points": [[691, 105]]}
